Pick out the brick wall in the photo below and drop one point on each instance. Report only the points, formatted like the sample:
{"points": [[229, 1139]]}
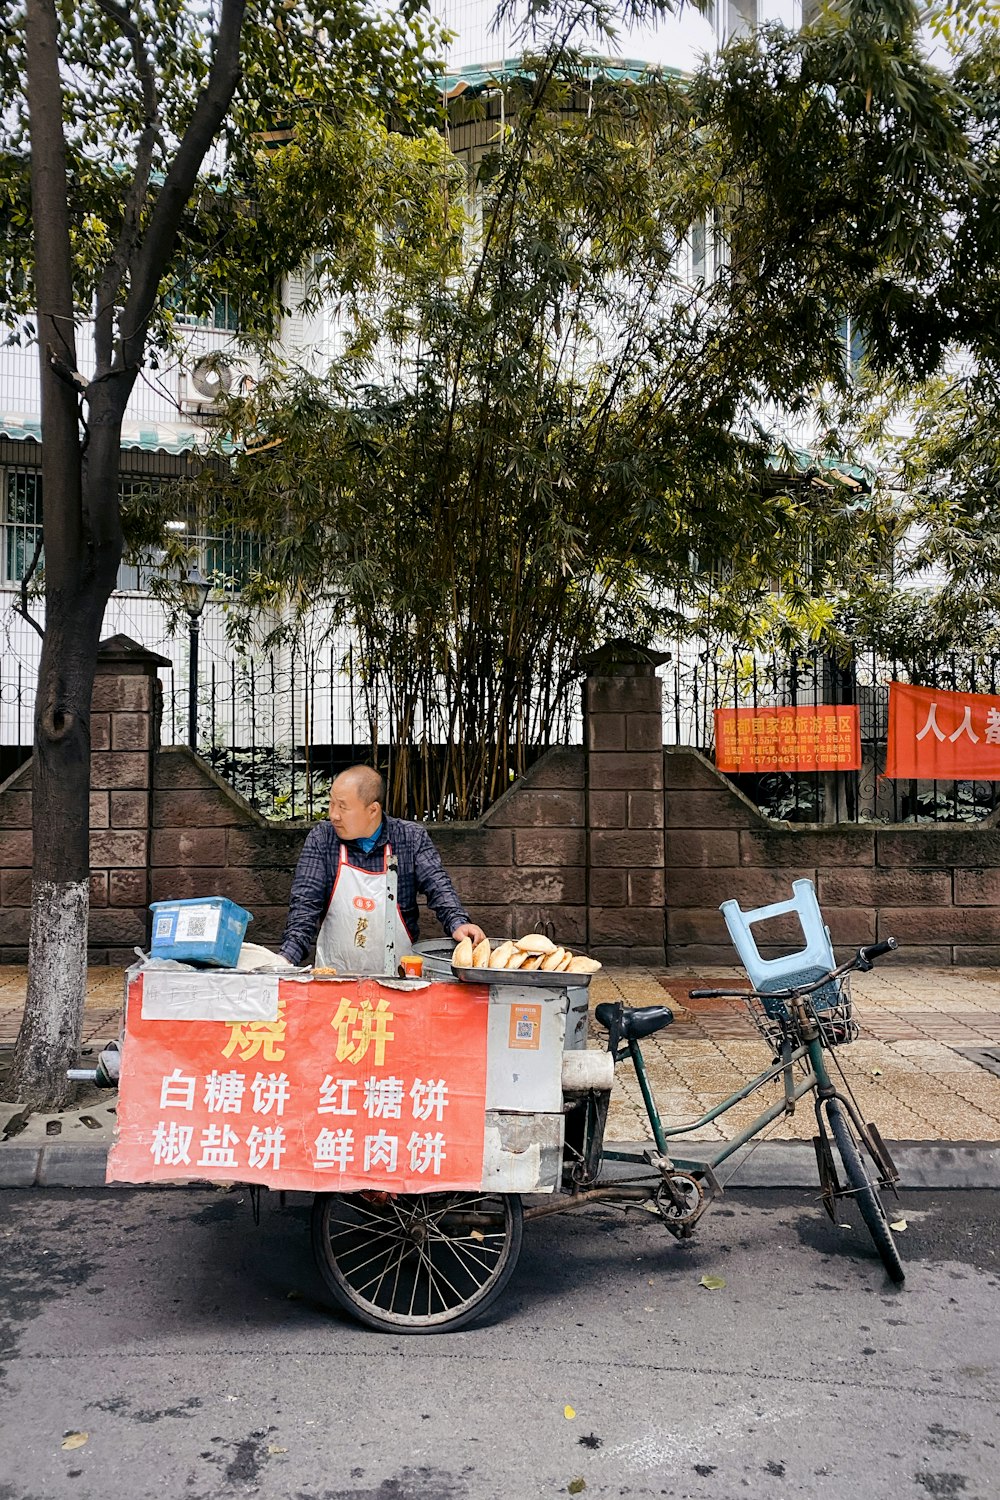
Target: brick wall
{"points": [[935, 889]]}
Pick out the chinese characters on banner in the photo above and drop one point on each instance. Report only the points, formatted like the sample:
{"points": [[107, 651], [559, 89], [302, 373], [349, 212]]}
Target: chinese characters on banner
{"points": [[354, 1086], [826, 737], [938, 735]]}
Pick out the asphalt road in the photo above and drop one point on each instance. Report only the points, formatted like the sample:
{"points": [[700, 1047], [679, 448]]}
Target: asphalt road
{"points": [[201, 1358]]}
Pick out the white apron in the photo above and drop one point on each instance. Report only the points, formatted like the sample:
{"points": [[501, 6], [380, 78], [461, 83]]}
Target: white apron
{"points": [[363, 931]]}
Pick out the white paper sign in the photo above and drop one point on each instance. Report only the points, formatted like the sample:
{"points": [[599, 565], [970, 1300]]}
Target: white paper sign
{"points": [[175, 996]]}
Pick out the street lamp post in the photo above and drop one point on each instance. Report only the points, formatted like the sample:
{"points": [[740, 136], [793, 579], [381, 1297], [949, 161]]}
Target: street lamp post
{"points": [[194, 592]]}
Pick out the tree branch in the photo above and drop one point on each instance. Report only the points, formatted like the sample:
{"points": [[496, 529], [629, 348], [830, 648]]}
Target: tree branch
{"points": [[21, 608], [171, 201], [111, 281]]}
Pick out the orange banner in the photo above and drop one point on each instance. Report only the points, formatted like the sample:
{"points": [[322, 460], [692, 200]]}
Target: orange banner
{"points": [[938, 735], [354, 1086], [825, 737]]}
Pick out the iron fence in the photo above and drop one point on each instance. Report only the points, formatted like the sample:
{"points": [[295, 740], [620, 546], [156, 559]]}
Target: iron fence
{"points": [[697, 681]]}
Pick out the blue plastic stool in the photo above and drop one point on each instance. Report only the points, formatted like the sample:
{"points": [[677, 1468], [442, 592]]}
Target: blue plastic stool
{"points": [[804, 966]]}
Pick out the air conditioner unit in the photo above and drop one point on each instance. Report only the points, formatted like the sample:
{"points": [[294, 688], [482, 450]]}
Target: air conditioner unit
{"points": [[211, 377]]}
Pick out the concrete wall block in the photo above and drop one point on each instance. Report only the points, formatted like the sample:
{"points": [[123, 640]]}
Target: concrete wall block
{"points": [[118, 848], [813, 849], [499, 886], [470, 844], [605, 731], [881, 887], [542, 809], [689, 771], [568, 925], [14, 956], [207, 808], [702, 848], [251, 889], [15, 810], [645, 888], [609, 888], [268, 925], [641, 770], [129, 888], [189, 846], [15, 887], [751, 888], [608, 809], [949, 847], [122, 694], [630, 849], [709, 954], [177, 768], [952, 925], [561, 769], [129, 809], [264, 846], [118, 925], [99, 888], [15, 924], [100, 809], [114, 769], [15, 849], [644, 731], [627, 926], [645, 809], [613, 695], [718, 809], [980, 957], [100, 731], [976, 887], [540, 846], [131, 731]]}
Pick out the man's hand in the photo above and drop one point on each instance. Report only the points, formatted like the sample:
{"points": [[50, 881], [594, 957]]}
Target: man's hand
{"points": [[468, 930]]}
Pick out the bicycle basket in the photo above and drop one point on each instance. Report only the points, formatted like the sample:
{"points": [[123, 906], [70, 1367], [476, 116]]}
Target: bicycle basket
{"points": [[828, 997]]}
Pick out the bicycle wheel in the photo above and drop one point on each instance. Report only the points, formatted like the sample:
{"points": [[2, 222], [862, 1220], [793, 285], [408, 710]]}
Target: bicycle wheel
{"points": [[864, 1190], [420, 1263]]}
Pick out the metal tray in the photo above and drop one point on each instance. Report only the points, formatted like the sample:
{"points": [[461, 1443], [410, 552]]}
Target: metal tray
{"points": [[535, 979]]}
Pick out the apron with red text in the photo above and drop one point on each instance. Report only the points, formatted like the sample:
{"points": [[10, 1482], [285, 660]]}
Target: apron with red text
{"points": [[353, 938]]}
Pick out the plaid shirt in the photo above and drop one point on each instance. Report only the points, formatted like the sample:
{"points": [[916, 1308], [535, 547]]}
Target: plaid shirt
{"points": [[420, 870]]}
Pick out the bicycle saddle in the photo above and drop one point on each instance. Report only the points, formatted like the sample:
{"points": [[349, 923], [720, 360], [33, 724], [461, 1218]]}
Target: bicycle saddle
{"points": [[633, 1021]]}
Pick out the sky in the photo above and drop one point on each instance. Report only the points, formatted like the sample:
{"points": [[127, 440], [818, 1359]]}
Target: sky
{"points": [[676, 41]]}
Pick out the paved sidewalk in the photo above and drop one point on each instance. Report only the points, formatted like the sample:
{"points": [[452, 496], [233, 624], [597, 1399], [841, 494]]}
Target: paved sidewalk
{"points": [[910, 1070]]}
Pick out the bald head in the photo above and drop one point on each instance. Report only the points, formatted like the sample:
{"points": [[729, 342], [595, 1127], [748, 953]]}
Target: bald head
{"points": [[357, 798]]}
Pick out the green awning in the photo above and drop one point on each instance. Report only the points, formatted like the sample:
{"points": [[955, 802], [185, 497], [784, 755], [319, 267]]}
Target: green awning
{"points": [[478, 77], [151, 437]]}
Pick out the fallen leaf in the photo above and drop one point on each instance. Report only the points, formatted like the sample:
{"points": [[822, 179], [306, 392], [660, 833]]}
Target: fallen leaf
{"points": [[712, 1283], [845, 1226], [576, 1485], [75, 1439], [273, 1448], [899, 1225], [477, 1234], [876, 1072], [569, 1413]]}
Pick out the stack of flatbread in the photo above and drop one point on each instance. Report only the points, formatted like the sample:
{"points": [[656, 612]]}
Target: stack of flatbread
{"points": [[534, 951]]}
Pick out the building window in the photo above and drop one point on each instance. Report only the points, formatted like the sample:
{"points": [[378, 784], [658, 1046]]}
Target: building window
{"points": [[224, 315], [21, 518]]}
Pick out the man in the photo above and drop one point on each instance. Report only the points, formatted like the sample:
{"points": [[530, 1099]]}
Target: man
{"points": [[356, 883]]}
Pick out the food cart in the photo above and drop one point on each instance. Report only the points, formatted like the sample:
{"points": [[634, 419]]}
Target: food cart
{"points": [[417, 1110]]}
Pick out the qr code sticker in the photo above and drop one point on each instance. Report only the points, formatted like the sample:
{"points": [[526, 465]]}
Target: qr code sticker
{"points": [[197, 924], [164, 926], [524, 1030]]}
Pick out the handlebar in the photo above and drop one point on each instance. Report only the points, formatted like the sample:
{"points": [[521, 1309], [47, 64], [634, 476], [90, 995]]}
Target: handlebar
{"points": [[863, 960]]}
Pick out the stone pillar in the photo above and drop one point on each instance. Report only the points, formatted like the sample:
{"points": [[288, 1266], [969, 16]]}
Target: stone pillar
{"points": [[623, 743], [126, 710]]}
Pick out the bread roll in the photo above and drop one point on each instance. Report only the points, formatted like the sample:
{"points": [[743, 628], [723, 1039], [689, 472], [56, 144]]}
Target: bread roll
{"points": [[581, 965], [535, 942], [462, 956], [554, 959], [500, 955], [564, 962], [481, 954], [516, 960], [532, 961]]}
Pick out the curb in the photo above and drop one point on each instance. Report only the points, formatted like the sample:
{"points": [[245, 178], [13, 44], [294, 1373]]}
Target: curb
{"points": [[771, 1164]]}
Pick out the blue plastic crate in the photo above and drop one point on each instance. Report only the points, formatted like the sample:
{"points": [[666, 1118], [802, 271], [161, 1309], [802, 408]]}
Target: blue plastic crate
{"points": [[199, 930]]}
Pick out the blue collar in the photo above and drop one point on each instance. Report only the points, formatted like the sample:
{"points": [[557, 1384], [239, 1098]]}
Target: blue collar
{"points": [[369, 843]]}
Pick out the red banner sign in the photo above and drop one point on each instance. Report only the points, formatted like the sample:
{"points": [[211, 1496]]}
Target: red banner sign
{"points": [[937, 735], [826, 737], [354, 1086]]}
